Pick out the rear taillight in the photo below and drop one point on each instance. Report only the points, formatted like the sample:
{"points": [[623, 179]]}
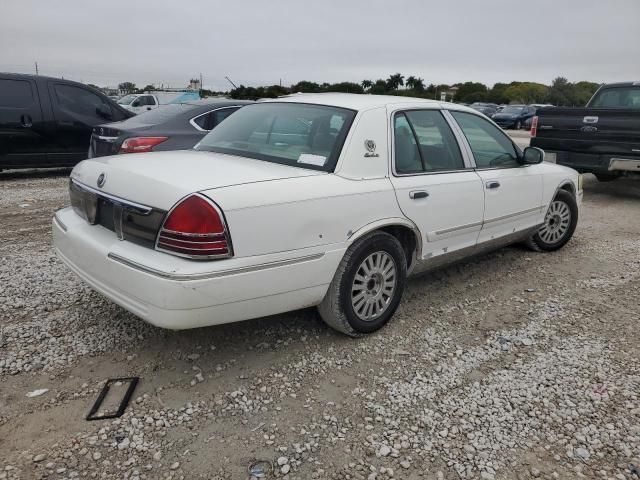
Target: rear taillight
{"points": [[140, 144], [534, 126], [195, 228]]}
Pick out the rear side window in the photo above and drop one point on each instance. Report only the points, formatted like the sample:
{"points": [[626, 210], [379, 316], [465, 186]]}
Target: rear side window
{"points": [[78, 100], [490, 146], [15, 93], [425, 143], [209, 120]]}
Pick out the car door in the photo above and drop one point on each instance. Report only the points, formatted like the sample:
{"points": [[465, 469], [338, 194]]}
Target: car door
{"points": [[76, 110], [436, 186], [512, 191], [23, 141]]}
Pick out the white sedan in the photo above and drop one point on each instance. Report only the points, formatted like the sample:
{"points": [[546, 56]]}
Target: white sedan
{"points": [[327, 200]]}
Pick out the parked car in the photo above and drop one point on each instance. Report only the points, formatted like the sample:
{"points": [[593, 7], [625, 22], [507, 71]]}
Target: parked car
{"points": [[603, 138], [47, 122], [325, 200], [487, 109], [178, 126], [143, 102], [513, 116]]}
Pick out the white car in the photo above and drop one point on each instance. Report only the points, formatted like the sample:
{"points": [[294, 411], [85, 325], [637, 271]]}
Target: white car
{"points": [[327, 200]]}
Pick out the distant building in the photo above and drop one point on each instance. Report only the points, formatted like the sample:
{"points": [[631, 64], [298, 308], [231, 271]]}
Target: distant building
{"points": [[194, 84]]}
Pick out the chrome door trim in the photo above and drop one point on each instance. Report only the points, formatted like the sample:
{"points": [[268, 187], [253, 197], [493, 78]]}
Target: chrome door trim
{"points": [[516, 214], [185, 277], [460, 227]]}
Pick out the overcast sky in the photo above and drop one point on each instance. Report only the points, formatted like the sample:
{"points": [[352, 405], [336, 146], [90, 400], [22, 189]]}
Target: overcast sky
{"points": [[259, 42]]}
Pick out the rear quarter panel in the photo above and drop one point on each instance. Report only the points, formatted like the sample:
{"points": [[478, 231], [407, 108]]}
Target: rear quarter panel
{"points": [[299, 213]]}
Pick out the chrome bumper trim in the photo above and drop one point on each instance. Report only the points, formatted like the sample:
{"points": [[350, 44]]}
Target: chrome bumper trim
{"points": [[117, 200], [185, 277]]}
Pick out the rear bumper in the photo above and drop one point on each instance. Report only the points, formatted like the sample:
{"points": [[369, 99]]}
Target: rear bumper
{"points": [[175, 293], [605, 164]]}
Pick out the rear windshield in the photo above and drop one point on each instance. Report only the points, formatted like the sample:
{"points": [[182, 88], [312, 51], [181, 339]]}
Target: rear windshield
{"points": [[159, 115], [296, 134], [617, 97]]}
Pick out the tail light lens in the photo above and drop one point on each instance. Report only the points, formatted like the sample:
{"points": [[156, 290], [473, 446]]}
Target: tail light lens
{"points": [[534, 126], [195, 228], [141, 144]]}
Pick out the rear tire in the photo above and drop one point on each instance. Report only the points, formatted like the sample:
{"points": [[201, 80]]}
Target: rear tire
{"points": [[559, 224], [367, 286]]}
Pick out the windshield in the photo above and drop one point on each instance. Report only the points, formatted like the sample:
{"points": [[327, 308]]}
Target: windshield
{"points": [[513, 109], [127, 99], [296, 134], [618, 97]]}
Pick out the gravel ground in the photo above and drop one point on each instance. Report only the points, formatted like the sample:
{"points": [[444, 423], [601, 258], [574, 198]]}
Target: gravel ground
{"points": [[513, 365]]}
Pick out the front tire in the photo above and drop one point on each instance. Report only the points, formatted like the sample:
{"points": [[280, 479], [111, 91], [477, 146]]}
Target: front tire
{"points": [[367, 286], [559, 224]]}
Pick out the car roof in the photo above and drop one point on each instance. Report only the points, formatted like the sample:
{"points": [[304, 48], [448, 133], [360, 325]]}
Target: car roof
{"points": [[621, 84], [356, 101], [217, 101]]}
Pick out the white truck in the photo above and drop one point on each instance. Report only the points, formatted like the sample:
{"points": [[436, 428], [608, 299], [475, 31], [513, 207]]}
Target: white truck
{"points": [[141, 102]]}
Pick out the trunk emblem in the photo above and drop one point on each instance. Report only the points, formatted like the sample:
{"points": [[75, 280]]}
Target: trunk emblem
{"points": [[101, 179]]}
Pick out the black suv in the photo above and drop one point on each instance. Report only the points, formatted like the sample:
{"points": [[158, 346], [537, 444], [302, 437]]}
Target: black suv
{"points": [[47, 122]]}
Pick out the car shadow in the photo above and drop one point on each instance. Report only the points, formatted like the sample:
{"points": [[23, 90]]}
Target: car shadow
{"points": [[34, 173]]}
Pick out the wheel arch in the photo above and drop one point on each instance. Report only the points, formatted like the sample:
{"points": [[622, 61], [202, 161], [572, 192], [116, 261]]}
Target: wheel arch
{"points": [[405, 231], [566, 185]]}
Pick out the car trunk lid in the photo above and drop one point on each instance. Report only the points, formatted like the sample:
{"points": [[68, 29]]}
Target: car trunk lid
{"points": [[160, 179]]}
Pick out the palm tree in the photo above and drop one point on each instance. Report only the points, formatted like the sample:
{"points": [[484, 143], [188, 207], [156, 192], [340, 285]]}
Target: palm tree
{"points": [[395, 81], [415, 83], [366, 84]]}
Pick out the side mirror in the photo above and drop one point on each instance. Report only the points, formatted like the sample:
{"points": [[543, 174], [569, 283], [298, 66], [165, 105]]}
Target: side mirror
{"points": [[103, 111], [532, 156]]}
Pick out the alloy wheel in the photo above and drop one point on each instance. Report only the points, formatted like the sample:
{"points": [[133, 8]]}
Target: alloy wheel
{"points": [[373, 286]]}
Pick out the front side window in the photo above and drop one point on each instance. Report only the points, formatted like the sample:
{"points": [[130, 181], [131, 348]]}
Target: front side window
{"points": [[79, 101], [425, 143], [301, 135], [490, 146], [15, 93]]}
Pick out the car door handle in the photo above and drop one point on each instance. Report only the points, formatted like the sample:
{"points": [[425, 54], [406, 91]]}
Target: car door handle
{"points": [[493, 184], [417, 194]]}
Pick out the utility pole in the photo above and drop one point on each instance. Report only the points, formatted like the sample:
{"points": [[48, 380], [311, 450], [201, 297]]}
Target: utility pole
{"points": [[201, 86], [36, 68], [229, 80]]}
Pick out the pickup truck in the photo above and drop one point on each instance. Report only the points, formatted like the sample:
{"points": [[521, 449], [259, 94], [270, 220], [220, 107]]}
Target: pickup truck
{"points": [[47, 122], [142, 102], [603, 138]]}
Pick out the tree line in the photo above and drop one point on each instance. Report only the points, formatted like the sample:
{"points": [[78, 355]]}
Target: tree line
{"points": [[561, 92]]}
